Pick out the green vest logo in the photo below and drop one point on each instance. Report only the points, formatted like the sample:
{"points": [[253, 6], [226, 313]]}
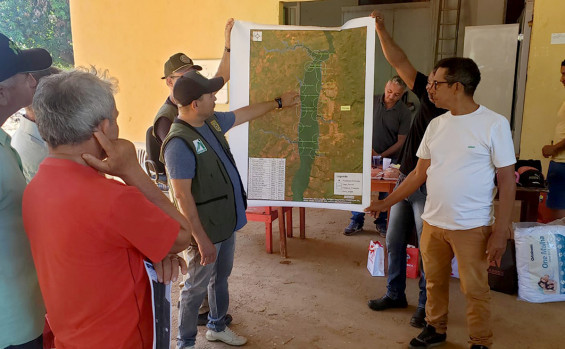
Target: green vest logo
{"points": [[200, 147], [215, 124]]}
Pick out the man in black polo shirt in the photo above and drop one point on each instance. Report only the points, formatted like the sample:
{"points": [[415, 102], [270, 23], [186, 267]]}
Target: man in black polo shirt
{"points": [[405, 215]]}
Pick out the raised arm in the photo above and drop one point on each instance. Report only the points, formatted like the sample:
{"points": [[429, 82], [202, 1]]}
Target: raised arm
{"points": [[224, 67], [253, 111], [393, 53]]}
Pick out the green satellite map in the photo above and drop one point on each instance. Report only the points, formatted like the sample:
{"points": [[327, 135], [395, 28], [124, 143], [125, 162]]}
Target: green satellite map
{"points": [[324, 135]]}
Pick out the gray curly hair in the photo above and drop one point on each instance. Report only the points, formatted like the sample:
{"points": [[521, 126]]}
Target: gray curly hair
{"points": [[71, 104]]}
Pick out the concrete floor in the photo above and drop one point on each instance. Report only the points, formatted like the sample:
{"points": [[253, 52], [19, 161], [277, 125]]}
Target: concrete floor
{"points": [[317, 298]]}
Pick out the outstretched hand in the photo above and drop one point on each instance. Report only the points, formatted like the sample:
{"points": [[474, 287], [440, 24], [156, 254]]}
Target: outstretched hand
{"points": [[290, 99], [121, 158], [376, 208]]}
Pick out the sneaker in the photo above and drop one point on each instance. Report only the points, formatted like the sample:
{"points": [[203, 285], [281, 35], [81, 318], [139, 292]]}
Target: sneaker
{"points": [[476, 346], [381, 231], [353, 228], [418, 320], [203, 319], [227, 336], [428, 338], [386, 302]]}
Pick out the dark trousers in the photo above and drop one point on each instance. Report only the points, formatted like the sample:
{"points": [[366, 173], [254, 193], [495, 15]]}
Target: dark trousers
{"points": [[34, 344]]}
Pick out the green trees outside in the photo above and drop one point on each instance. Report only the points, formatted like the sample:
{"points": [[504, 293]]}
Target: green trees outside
{"points": [[40, 23]]}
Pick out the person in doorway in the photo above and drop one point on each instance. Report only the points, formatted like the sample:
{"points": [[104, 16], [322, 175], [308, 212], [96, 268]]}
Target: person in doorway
{"points": [[391, 122], [556, 172]]}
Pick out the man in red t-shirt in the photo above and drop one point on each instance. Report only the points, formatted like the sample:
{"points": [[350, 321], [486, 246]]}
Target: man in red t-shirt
{"points": [[89, 235]]}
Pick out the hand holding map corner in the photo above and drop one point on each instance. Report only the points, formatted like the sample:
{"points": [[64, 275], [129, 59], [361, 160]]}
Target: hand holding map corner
{"points": [[376, 207], [379, 19]]}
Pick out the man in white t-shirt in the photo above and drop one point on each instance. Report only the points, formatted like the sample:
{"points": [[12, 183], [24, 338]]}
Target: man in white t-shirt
{"points": [[458, 157]]}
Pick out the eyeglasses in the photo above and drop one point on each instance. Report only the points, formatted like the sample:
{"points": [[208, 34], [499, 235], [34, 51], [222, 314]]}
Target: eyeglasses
{"points": [[435, 83]]}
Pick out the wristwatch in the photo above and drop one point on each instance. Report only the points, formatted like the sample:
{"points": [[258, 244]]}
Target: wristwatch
{"points": [[279, 101]]}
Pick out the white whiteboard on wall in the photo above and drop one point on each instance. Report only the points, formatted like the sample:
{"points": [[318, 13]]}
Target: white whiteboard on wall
{"points": [[494, 49]]}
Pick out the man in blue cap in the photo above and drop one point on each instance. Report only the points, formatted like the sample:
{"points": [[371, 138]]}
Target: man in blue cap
{"points": [[206, 187]]}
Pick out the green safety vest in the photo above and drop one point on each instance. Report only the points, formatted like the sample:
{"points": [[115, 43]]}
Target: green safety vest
{"points": [[211, 186]]}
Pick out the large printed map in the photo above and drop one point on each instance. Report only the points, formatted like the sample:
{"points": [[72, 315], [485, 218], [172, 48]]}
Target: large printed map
{"points": [[328, 69], [314, 152]]}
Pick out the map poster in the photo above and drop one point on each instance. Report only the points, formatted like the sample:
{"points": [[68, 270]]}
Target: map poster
{"points": [[317, 154]]}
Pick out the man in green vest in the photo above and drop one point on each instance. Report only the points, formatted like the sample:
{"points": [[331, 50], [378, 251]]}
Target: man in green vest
{"points": [[206, 187], [177, 65]]}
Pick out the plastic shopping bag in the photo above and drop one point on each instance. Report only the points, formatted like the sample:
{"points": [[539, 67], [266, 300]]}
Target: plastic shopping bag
{"points": [[540, 260], [412, 262], [454, 268], [376, 259]]}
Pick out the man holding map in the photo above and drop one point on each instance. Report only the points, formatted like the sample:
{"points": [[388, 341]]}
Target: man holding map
{"points": [[177, 65], [406, 214]]}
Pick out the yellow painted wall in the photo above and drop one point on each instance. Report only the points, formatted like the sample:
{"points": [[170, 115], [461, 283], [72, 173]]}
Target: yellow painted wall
{"points": [[544, 92], [134, 38]]}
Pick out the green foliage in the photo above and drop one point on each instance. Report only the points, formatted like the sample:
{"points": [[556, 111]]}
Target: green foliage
{"points": [[39, 23]]}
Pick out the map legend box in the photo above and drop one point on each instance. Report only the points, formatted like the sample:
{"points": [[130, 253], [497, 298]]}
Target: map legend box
{"points": [[348, 183]]}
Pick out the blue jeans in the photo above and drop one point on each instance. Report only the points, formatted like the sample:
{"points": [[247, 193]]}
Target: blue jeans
{"points": [[403, 217], [359, 217], [211, 280]]}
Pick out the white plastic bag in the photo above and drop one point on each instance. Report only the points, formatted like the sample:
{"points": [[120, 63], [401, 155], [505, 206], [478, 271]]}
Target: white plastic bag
{"points": [[454, 268], [540, 260], [376, 259]]}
